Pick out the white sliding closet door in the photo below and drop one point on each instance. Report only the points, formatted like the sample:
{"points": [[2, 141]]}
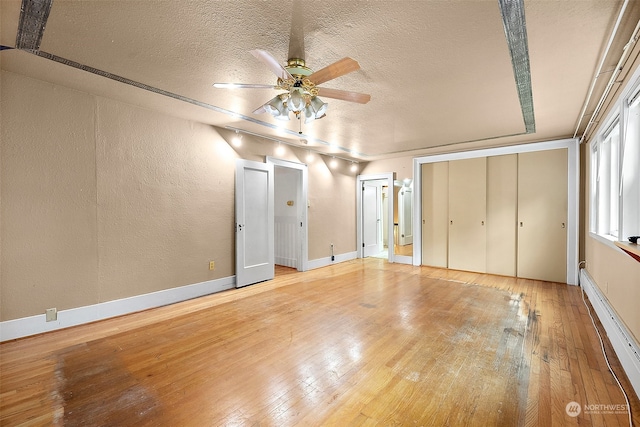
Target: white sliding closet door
{"points": [[542, 215], [435, 214], [467, 214], [502, 214]]}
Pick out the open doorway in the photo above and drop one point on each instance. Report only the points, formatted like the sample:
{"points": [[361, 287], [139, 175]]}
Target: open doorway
{"points": [[374, 192], [290, 215], [375, 225]]}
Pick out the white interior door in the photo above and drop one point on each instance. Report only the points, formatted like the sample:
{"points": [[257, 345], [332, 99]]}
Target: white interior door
{"points": [[254, 222], [405, 217], [371, 241]]}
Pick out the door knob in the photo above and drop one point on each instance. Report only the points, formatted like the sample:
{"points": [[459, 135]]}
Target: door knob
{"points": [[520, 223]]}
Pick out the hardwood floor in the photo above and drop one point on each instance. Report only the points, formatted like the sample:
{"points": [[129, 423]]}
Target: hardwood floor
{"points": [[359, 343], [406, 250]]}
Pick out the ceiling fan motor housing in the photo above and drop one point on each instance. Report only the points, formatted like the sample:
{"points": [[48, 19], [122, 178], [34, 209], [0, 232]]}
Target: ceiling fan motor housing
{"points": [[298, 69]]}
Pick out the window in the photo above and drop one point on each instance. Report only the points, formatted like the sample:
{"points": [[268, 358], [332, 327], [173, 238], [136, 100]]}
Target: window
{"points": [[607, 178], [615, 175], [631, 173]]}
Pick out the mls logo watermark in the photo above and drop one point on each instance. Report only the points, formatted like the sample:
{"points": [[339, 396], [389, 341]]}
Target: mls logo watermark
{"points": [[605, 409], [573, 409]]}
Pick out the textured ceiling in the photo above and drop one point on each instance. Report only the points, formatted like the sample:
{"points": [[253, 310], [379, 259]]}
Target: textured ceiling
{"points": [[440, 73]]}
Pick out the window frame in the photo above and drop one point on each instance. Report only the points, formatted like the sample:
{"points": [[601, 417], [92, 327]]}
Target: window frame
{"points": [[618, 117], [605, 174]]}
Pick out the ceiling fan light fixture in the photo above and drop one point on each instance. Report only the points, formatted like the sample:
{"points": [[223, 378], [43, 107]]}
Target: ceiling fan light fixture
{"points": [[274, 106], [300, 86], [277, 107], [309, 114], [319, 107], [296, 100]]}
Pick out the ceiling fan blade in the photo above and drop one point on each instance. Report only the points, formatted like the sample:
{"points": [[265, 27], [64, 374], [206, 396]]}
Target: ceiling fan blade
{"points": [[296, 35], [343, 95], [242, 86], [267, 59], [337, 69]]}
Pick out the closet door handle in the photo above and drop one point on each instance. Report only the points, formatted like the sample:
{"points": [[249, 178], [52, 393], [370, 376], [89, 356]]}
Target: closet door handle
{"points": [[563, 225], [520, 223], [451, 222], [482, 222]]}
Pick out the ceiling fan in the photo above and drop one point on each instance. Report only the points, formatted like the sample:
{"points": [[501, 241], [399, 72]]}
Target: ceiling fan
{"points": [[300, 86]]}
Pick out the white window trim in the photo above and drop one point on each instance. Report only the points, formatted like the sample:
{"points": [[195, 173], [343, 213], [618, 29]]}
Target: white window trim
{"points": [[619, 112]]}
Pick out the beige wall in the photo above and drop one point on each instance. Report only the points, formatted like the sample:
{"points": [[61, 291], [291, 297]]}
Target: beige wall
{"points": [[402, 166], [49, 221], [332, 211], [102, 200], [616, 274]]}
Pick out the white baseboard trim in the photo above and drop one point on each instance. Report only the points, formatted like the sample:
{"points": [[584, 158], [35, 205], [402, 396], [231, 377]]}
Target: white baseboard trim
{"points": [[403, 259], [323, 262], [33, 325], [625, 346]]}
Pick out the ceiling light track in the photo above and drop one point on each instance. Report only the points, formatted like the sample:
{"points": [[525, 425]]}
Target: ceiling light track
{"points": [[515, 30], [280, 141], [33, 19]]}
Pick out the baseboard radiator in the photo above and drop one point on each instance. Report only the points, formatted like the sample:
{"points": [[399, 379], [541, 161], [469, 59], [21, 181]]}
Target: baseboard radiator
{"points": [[626, 347]]}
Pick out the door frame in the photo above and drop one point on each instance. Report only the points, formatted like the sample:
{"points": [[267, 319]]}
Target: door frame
{"points": [[303, 255], [390, 177], [573, 193]]}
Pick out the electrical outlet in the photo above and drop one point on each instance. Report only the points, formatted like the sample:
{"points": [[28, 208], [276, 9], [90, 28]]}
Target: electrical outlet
{"points": [[52, 314], [212, 265]]}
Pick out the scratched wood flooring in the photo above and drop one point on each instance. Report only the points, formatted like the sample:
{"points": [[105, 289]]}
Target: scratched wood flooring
{"points": [[356, 344]]}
